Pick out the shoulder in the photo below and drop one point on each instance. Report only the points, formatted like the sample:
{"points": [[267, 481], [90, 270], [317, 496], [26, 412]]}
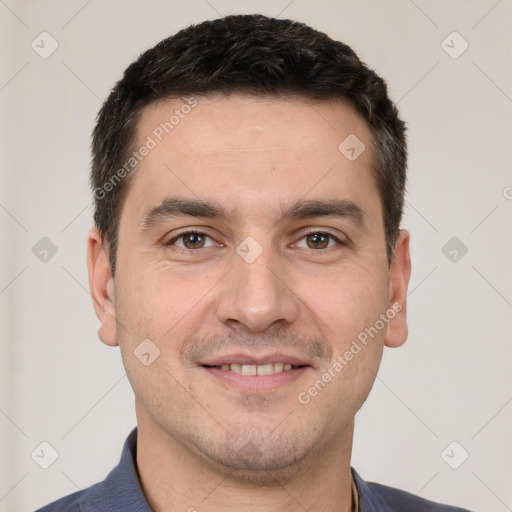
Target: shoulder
{"points": [[407, 502], [381, 498], [71, 503], [118, 492]]}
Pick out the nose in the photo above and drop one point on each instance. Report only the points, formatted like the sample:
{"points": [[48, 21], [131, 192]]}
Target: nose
{"points": [[256, 294]]}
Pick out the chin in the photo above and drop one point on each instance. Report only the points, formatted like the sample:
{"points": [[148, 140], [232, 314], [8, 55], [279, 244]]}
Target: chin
{"points": [[252, 460]]}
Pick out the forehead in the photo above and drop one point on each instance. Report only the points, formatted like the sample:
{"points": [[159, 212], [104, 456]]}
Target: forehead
{"points": [[242, 149], [204, 122]]}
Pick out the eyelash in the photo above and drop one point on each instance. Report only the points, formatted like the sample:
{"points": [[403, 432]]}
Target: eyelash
{"points": [[171, 242]]}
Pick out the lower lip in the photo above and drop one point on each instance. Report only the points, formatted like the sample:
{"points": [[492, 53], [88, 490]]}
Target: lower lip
{"points": [[256, 383]]}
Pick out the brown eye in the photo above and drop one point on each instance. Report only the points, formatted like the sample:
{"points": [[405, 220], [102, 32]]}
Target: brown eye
{"points": [[318, 240], [192, 240]]}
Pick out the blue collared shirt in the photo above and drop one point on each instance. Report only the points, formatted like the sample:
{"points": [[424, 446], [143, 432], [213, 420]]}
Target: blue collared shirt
{"points": [[121, 492]]}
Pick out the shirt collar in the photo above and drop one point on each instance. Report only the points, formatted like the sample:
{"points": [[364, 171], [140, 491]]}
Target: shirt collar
{"points": [[121, 490]]}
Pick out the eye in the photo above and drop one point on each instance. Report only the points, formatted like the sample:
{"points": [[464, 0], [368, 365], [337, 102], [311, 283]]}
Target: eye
{"points": [[191, 240], [318, 240]]}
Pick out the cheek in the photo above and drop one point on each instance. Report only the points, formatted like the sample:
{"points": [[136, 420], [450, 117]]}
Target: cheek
{"points": [[152, 319], [347, 302], [161, 305], [349, 305], [149, 296]]}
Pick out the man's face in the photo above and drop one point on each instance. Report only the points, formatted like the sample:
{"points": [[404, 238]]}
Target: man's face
{"points": [[249, 242]]}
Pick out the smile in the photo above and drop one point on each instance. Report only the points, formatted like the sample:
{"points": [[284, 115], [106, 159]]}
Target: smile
{"points": [[253, 369]]}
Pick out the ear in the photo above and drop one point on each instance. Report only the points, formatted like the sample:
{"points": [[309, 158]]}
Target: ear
{"points": [[101, 285], [399, 274]]}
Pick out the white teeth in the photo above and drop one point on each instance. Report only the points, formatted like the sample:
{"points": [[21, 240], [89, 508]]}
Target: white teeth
{"points": [[278, 367], [236, 368], [265, 369], [249, 369], [253, 369]]}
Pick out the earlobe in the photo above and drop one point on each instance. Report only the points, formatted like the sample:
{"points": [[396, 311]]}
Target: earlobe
{"points": [[399, 274], [101, 285]]}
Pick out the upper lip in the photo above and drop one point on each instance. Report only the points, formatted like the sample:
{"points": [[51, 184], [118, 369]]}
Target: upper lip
{"points": [[240, 358]]}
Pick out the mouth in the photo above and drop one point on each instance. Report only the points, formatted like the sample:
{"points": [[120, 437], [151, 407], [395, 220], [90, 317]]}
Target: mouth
{"points": [[255, 375], [256, 369]]}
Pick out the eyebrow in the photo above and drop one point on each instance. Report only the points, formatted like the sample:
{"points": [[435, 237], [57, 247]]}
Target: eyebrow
{"points": [[341, 208], [176, 206]]}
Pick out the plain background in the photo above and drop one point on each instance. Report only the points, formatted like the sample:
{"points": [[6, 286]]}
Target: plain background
{"points": [[450, 381]]}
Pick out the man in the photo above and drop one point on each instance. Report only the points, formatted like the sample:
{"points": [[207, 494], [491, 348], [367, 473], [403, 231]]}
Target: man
{"points": [[248, 176]]}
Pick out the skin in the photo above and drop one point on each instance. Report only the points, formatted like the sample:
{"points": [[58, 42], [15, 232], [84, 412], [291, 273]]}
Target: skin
{"points": [[201, 442]]}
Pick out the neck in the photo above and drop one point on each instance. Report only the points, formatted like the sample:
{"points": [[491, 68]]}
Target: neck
{"points": [[176, 478]]}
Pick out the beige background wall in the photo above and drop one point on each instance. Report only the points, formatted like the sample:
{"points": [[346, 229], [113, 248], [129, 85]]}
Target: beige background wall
{"points": [[450, 382]]}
